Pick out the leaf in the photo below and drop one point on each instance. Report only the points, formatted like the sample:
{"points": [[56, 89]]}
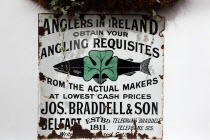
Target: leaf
{"points": [[63, 11], [63, 29], [76, 14], [50, 17], [53, 2], [100, 67], [63, 49], [67, 7], [55, 7]]}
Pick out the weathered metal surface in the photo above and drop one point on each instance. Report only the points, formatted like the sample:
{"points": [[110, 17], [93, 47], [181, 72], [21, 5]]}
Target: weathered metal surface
{"points": [[101, 77]]}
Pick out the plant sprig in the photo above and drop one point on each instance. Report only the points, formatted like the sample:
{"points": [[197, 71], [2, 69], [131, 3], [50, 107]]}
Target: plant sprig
{"points": [[58, 6]]}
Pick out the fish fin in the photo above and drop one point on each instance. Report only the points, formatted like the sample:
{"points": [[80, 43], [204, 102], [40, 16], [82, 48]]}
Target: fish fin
{"points": [[130, 73], [144, 66], [129, 59], [97, 80]]}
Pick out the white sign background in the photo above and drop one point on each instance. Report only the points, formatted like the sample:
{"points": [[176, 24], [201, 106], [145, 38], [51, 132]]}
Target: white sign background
{"points": [[47, 89]]}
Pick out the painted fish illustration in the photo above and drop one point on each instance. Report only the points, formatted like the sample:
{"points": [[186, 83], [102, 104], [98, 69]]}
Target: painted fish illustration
{"points": [[101, 65]]}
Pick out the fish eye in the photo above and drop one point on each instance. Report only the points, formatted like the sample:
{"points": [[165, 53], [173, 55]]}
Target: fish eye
{"points": [[61, 67]]}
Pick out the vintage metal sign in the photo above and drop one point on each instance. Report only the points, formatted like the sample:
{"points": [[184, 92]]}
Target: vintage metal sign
{"points": [[101, 76]]}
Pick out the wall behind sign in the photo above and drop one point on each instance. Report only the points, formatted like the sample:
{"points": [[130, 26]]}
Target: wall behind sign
{"points": [[187, 71]]}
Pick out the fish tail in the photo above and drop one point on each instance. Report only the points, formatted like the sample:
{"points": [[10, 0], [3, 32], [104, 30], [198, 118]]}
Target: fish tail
{"points": [[144, 66]]}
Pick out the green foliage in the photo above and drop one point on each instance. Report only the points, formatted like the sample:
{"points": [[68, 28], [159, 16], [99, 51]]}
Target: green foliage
{"points": [[63, 49], [100, 68], [60, 7], [76, 14], [50, 17], [63, 29], [109, 6], [40, 44]]}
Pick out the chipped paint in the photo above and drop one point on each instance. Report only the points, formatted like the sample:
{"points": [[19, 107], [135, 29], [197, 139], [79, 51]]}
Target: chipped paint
{"points": [[42, 122], [42, 77], [161, 77], [54, 135], [61, 126], [41, 31]]}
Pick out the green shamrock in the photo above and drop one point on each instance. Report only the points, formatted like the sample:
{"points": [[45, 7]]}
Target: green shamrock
{"points": [[100, 67]]}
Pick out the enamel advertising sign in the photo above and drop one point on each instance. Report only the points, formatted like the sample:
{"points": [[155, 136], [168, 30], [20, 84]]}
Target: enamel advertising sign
{"points": [[100, 76]]}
